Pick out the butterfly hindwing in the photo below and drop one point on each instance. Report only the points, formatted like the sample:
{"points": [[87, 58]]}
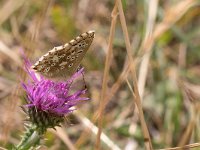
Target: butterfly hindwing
{"points": [[63, 60]]}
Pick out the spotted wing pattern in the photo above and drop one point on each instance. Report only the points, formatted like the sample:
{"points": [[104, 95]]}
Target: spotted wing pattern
{"points": [[64, 60]]}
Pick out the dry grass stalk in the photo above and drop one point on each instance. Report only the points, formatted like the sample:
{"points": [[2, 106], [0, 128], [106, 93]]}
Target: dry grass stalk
{"points": [[37, 28], [143, 70], [178, 11], [1, 148], [106, 75], [60, 132], [9, 8], [10, 54], [108, 98], [186, 137], [8, 125], [133, 73], [194, 113], [114, 88], [88, 124], [146, 47], [183, 147]]}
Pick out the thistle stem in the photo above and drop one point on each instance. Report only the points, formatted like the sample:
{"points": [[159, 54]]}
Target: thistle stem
{"points": [[30, 139]]}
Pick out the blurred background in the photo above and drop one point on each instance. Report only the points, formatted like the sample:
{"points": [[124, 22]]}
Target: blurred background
{"points": [[165, 46]]}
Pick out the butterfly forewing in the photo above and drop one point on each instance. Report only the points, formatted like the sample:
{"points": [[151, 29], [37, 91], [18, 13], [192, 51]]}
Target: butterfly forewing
{"points": [[64, 60]]}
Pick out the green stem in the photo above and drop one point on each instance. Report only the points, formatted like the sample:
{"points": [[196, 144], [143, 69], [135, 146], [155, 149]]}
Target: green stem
{"points": [[30, 139]]}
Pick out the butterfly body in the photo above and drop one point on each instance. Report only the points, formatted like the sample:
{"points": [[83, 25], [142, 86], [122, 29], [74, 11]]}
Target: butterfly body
{"points": [[64, 60]]}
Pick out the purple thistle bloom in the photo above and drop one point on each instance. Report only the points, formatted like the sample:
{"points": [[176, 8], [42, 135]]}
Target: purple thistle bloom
{"points": [[50, 96], [48, 103]]}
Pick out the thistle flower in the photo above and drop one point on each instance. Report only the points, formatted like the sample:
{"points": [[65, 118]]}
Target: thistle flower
{"points": [[48, 102], [50, 97]]}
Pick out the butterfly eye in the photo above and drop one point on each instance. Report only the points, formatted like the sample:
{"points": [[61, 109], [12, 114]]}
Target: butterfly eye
{"points": [[73, 52], [68, 57], [47, 69], [72, 58], [53, 64], [40, 67], [62, 67], [80, 51], [70, 65], [82, 44], [55, 58]]}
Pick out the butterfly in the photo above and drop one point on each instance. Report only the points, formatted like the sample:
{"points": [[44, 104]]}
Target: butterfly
{"points": [[64, 60]]}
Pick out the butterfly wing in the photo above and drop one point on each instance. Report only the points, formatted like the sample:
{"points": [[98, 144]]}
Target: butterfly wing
{"points": [[63, 60]]}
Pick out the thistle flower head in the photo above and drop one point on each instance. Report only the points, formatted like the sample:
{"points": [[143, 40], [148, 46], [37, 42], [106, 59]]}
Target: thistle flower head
{"points": [[49, 99]]}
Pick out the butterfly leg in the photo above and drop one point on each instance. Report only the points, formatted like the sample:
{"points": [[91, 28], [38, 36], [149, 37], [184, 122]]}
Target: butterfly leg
{"points": [[79, 67], [84, 81]]}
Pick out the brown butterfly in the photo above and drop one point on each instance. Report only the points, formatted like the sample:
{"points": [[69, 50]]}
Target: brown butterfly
{"points": [[64, 60]]}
